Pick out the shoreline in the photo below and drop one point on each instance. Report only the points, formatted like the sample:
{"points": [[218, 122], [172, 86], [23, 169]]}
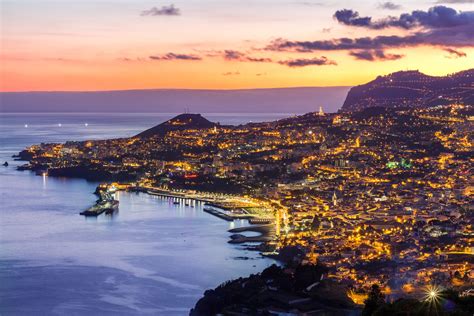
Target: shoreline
{"points": [[87, 241], [264, 226], [224, 206]]}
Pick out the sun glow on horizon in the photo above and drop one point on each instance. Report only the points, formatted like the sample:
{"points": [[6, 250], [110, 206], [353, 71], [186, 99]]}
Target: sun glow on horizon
{"points": [[92, 45]]}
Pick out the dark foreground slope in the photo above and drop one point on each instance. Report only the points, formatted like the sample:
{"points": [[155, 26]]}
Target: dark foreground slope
{"points": [[413, 89], [301, 289]]}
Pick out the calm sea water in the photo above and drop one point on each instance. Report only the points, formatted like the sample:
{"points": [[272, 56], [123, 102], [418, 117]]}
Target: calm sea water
{"points": [[153, 257]]}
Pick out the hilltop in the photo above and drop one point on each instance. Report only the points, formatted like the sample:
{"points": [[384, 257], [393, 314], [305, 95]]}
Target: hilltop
{"points": [[413, 89], [181, 122]]}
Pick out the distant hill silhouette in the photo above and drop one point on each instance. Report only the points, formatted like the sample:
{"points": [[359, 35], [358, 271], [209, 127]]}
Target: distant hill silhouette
{"points": [[273, 100], [412, 89], [180, 122]]}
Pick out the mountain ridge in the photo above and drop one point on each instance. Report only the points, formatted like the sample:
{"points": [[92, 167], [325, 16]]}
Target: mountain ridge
{"points": [[282, 100], [412, 88]]}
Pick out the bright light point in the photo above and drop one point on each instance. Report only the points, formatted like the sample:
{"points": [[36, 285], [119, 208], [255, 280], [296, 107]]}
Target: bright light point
{"points": [[432, 294], [86, 124], [59, 124], [26, 125]]}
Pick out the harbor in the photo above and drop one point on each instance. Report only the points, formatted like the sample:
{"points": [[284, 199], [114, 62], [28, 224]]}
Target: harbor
{"points": [[81, 256], [223, 206], [61, 262]]}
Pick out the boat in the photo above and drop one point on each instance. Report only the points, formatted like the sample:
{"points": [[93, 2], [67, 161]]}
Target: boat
{"points": [[111, 211], [112, 189], [108, 206], [176, 203]]}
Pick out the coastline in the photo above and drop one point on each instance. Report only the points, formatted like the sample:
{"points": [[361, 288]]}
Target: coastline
{"points": [[215, 205], [110, 251], [223, 211], [218, 205], [106, 234]]}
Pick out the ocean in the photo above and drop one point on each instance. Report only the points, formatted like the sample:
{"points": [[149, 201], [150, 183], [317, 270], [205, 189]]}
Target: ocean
{"points": [[153, 257]]}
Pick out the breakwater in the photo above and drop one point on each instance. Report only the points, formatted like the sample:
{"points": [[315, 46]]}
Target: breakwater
{"points": [[266, 234]]}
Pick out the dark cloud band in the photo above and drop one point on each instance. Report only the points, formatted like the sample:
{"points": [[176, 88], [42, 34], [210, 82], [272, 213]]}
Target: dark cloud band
{"points": [[461, 36], [374, 55], [164, 10], [435, 17], [239, 56], [389, 6], [317, 61], [454, 53], [174, 56]]}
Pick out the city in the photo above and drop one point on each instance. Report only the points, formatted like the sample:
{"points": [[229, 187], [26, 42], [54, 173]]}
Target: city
{"points": [[377, 196], [237, 158]]}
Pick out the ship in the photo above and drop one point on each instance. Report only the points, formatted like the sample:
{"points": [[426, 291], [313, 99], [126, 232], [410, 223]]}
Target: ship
{"points": [[108, 206]]}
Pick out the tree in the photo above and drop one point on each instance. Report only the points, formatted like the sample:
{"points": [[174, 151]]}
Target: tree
{"points": [[374, 301]]}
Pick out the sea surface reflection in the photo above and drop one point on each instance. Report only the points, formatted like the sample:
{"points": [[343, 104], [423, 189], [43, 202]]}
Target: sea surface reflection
{"points": [[151, 257]]}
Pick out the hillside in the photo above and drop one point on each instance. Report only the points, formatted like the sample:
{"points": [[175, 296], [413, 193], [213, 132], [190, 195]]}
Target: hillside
{"points": [[300, 290], [180, 122], [413, 89]]}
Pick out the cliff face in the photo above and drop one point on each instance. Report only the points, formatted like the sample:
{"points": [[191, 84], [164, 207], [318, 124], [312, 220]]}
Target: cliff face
{"points": [[412, 89], [180, 122]]}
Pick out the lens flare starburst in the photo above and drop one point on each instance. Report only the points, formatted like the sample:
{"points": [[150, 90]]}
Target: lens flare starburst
{"points": [[433, 299], [432, 294]]}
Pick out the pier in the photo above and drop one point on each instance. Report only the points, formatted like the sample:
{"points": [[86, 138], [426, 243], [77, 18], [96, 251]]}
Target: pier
{"points": [[261, 220], [219, 214], [225, 207], [176, 195]]}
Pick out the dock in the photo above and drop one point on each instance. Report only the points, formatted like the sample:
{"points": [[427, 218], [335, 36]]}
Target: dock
{"points": [[176, 195], [219, 214], [261, 220]]}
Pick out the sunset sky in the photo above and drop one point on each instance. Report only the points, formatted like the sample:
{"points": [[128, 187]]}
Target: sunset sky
{"points": [[226, 44]]}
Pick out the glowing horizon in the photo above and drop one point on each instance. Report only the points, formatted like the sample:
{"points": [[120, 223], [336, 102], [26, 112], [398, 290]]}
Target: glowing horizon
{"points": [[52, 45]]}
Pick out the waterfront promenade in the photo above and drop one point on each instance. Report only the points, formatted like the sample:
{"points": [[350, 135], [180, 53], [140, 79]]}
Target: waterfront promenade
{"points": [[232, 206], [260, 214]]}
